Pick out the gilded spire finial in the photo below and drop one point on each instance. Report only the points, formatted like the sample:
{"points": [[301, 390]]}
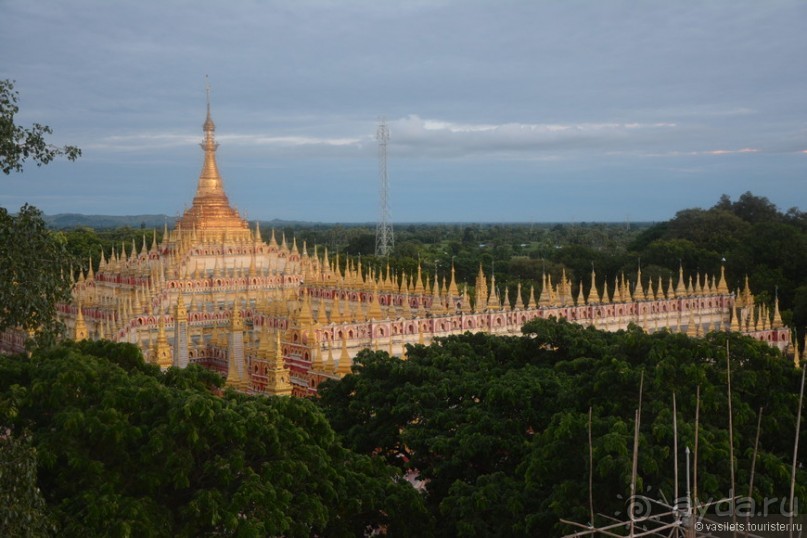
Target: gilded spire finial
{"points": [[211, 211], [209, 126], [207, 91], [209, 145]]}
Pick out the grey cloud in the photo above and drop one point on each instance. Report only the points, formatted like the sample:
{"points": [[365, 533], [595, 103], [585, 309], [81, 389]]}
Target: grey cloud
{"points": [[588, 92]]}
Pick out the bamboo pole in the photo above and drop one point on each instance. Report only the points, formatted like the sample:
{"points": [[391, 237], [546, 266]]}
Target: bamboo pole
{"points": [[634, 471], [695, 456], [635, 468], [675, 453], [690, 528], [753, 467], [796, 449], [732, 491], [590, 471], [641, 391]]}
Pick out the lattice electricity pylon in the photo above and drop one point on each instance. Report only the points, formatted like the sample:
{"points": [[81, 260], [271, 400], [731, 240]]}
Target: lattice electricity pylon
{"points": [[384, 238]]}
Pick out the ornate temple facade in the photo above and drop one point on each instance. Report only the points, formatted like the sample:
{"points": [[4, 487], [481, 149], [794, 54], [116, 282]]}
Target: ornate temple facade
{"points": [[278, 319]]}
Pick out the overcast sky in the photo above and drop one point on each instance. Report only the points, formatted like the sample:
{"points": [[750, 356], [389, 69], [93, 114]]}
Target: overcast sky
{"points": [[497, 110]]}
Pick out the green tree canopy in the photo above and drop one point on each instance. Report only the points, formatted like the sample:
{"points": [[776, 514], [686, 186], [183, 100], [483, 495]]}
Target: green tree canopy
{"points": [[33, 265], [751, 235], [22, 508], [498, 426], [32, 260], [125, 450]]}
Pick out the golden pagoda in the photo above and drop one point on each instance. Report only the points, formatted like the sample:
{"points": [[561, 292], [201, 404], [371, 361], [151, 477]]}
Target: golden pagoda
{"points": [[250, 304]]}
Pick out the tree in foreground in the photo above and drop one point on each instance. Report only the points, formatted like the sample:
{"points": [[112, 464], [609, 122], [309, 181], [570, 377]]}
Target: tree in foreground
{"points": [[17, 143], [32, 268], [125, 450], [32, 260], [497, 427], [22, 508]]}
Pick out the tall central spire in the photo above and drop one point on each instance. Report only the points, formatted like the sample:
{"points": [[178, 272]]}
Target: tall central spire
{"points": [[211, 211], [210, 184]]}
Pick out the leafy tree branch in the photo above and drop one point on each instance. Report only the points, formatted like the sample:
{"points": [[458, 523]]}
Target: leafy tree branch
{"points": [[18, 144]]}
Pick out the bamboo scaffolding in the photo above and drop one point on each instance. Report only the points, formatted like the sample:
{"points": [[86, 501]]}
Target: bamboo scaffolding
{"points": [[668, 522]]}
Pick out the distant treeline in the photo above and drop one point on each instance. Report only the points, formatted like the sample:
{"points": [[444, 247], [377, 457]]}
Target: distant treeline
{"points": [[99, 222]]}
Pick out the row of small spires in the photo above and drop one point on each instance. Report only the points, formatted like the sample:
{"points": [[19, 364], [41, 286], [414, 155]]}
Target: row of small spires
{"points": [[121, 261], [301, 314], [443, 300], [356, 276], [266, 346], [177, 241]]}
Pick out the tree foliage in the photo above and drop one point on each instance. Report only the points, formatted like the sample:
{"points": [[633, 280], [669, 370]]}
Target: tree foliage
{"points": [[22, 508], [498, 426], [85, 244], [125, 450], [32, 267], [17, 143], [32, 259], [751, 234]]}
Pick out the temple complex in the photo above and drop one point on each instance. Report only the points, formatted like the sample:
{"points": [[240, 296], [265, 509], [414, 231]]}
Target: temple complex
{"points": [[275, 318]]}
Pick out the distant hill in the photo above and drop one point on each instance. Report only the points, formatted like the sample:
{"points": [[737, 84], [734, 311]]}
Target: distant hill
{"points": [[100, 222], [76, 220]]}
